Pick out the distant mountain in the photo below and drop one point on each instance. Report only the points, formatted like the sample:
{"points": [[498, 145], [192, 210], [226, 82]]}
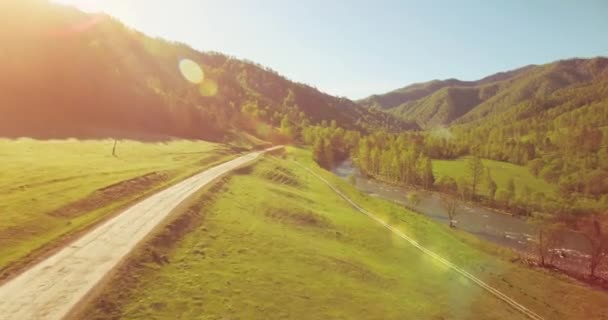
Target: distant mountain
{"points": [[67, 73], [553, 118], [519, 93], [417, 91]]}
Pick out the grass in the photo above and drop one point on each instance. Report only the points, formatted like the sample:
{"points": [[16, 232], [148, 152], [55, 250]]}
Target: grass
{"points": [[274, 242], [51, 189], [501, 173]]}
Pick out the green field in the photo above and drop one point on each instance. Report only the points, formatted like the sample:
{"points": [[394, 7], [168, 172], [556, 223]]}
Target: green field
{"points": [[501, 173], [273, 242], [51, 189]]}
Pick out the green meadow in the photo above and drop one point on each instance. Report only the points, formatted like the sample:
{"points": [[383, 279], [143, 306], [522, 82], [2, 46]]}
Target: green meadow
{"points": [[271, 241], [50, 190], [501, 173]]}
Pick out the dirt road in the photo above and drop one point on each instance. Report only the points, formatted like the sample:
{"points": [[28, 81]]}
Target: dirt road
{"points": [[50, 289]]}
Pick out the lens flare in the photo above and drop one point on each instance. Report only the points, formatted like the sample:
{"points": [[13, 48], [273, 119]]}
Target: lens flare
{"points": [[208, 88], [191, 71]]}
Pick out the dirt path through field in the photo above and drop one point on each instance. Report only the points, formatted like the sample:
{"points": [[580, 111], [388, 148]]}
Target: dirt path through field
{"points": [[50, 289]]}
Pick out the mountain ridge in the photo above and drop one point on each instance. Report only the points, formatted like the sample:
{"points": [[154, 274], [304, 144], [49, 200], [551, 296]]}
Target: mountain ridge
{"points": [[73, 74], [452, 101]]}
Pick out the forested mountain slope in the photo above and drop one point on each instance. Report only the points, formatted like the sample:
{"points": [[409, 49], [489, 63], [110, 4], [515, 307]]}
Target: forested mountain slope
{"points": [[67, 73], [521, 93], [552, 118]]}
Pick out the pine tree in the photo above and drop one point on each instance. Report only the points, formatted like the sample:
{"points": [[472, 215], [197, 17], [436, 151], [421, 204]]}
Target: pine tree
{"points": [[475, 168], [318, 152], [329, 153], [287, 127], [491, 185], [428, 179], [511, 189]]}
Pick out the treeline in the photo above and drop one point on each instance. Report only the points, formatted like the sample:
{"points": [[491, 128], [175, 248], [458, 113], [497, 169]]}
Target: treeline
{"points": [[570, 150], [395, 158], [566, 146], [330, 143], [406, 158]]}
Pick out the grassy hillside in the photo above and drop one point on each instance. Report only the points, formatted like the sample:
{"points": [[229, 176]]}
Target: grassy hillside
{"points": [[274, 242], [70, 74], [51, 189]]}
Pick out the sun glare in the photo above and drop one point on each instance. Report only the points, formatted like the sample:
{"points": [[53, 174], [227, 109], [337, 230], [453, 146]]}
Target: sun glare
{"points": [[208, 88], [191, 71]]}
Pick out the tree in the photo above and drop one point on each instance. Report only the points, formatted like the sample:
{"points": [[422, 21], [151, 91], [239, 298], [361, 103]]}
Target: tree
{"points": [[491, 185], [536, 166], [511, 188], [450, 204], [318, 152], [525, 197], [329, 153], [287, 128], [475, 171], [598, 243], [464, 189], [549, 238], [426, 173], [504, 197], [447, 184], [114, 148], [596, 183]]}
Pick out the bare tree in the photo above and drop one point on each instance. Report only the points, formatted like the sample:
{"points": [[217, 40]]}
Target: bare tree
{"points": [[114, 148], [548, 240], [451, 205], [598, 243]]}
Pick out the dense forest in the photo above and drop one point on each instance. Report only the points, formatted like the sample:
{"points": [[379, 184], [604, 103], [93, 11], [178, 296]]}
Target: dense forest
{"points": [[406, 158], [551, 118], [81, 75]]}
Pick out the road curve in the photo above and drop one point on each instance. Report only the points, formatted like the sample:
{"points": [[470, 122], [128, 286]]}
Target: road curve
{"points": [[50, 289]]}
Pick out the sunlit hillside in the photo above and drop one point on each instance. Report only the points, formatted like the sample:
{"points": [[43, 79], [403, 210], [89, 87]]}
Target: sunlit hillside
{"points": [[66, 73]]}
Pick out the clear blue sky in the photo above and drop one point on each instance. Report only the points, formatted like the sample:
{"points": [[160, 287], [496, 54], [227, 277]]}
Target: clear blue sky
{"points": [[356, 48]]}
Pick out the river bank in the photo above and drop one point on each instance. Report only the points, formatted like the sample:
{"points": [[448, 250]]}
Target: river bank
{"points": [[503, 229]]}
